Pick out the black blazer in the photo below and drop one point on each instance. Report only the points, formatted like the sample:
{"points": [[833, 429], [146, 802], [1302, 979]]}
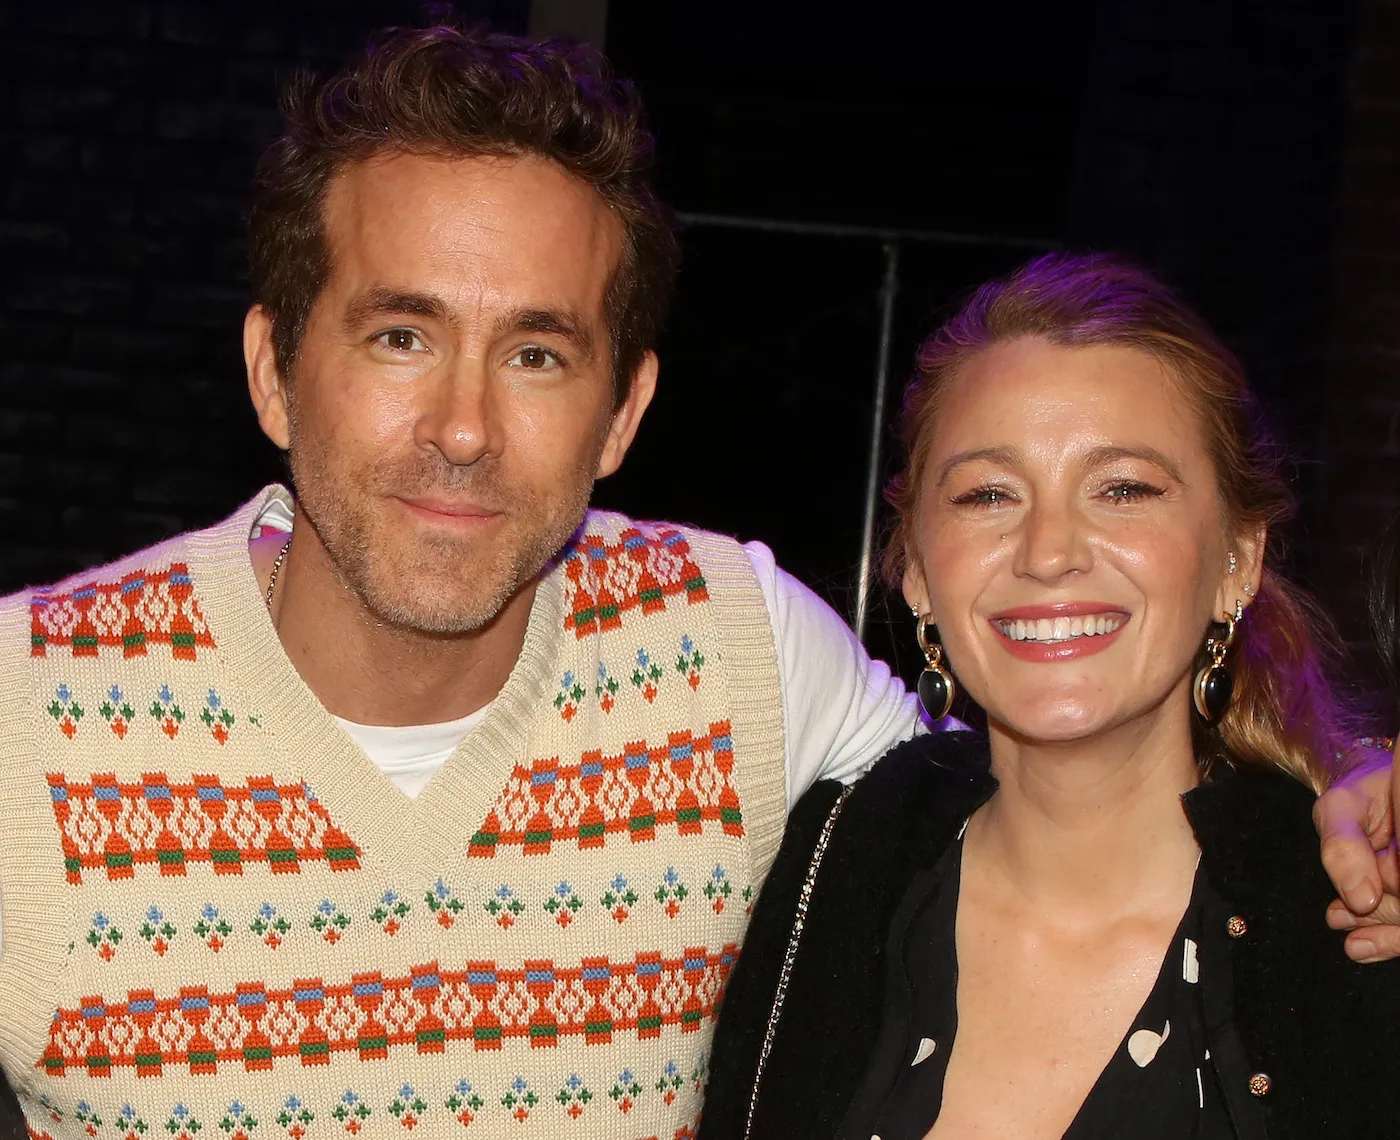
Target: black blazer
{"points": [[1324, 1030]]}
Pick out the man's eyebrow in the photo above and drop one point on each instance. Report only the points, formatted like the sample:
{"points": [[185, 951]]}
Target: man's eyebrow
{"points": [[1009, 456], [563, 323], [1113, 452], [384, 302]]}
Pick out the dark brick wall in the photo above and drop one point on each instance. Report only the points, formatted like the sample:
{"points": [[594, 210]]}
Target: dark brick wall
{"points": [[1361, 423], [129, 131], [1211, 148], [1206, 136]]}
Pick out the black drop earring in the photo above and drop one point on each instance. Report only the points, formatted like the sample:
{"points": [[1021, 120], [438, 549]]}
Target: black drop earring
{"points": [[936, 686], [1214, 685]]}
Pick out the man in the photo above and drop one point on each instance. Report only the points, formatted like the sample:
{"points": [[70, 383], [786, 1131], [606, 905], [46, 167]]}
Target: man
{"points": [[423, 800]]}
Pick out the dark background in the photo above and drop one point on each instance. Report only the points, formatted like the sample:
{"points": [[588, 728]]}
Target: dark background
{"points": [[1249, 151]]}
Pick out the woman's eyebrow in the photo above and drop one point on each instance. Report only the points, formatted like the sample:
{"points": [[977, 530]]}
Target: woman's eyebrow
{"points": [[1114, 452], [1005, 454]]}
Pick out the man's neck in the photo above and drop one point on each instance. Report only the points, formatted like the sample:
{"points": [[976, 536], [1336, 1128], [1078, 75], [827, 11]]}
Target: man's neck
{"points": [[1092, 827], [369, 672]]}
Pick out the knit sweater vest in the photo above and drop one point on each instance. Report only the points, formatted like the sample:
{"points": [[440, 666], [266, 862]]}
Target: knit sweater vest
{"points": [[221, 920]]}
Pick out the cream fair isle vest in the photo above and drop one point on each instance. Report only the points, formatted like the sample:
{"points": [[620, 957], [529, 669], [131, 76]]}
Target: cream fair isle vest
{"points": [[221, 920]]}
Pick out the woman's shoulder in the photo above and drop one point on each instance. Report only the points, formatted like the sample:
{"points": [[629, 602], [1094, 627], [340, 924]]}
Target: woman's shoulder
{"points": [[848, 869], [1254, 825], [952, 759], [1325, 1029], [932, 779]]}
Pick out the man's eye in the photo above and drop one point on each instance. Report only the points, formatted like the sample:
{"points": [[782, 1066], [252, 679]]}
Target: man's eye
{"points": [[401, 340], [534, 357]]}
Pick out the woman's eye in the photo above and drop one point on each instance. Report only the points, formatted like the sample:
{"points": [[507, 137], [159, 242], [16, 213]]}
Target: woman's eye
{"points": [[1131, 492], [534, 357], [401, 340], [983, 497]]}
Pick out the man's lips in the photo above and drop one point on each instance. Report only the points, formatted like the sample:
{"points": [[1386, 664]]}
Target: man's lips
{"points": [[455, 510]]}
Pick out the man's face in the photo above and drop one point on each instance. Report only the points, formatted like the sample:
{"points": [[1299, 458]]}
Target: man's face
{"points": [[451, 401]]}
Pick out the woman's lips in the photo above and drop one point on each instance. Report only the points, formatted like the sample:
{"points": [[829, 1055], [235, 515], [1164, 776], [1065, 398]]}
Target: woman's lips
{"points": [[1060, 609], [1058, 632], [1060, 627]]}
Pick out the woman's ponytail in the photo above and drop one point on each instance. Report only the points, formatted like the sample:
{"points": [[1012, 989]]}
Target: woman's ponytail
{"points": [[1285, 711]]}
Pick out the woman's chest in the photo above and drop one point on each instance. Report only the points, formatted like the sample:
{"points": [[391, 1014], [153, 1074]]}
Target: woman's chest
{"points": [[1037, 1020]]}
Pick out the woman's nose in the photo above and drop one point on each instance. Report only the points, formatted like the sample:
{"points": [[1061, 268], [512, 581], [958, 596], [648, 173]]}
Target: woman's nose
{"points": [[1052, 543]]}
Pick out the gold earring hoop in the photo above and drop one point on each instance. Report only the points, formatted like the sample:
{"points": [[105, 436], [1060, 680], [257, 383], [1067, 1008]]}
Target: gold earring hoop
{"points": [[1214, 684], [936, 687]]}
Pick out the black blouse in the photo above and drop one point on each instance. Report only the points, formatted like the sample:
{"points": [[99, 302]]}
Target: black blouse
{"points": [[1305, 1042], [1158, 1085]]}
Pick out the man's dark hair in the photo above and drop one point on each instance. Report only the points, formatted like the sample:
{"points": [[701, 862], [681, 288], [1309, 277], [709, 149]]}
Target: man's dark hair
{"points": [[444, 91]]}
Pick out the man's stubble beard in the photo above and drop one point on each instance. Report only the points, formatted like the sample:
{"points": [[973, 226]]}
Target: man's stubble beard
{"points": [[341, 504]]}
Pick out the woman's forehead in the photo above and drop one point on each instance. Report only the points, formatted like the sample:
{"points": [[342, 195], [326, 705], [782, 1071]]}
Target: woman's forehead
{"points": [[1035, 395]]}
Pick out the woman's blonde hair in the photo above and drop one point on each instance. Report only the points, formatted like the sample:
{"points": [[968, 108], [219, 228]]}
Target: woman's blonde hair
{"points": [[1284, 711]]}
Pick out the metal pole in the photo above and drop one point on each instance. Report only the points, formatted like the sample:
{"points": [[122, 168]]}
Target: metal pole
{"points": [[888, 291], [878, 233]]}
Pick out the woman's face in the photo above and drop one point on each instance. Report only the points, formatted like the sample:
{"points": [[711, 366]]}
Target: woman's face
{"points": [[1071, 542]]}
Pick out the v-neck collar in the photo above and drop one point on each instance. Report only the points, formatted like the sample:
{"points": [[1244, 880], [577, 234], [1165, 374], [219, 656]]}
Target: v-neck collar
{"points": [[391, 829]]}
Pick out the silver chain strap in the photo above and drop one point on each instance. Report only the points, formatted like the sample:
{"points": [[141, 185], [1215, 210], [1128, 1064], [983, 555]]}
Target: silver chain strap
{"points": [[790, 956]]}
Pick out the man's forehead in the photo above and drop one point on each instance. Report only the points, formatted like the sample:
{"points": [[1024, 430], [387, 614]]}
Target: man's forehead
{"points": [[478, 225]]}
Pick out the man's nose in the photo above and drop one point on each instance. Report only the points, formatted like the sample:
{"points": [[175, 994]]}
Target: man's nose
{"points": [[459, 414]]}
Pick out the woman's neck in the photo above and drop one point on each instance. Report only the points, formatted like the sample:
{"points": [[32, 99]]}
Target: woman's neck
{"points": [[1091, 827]]}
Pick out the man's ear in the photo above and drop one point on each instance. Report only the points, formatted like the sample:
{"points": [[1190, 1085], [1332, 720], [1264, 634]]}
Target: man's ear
{"points": [[1243, 585], [627, 417], [265, 384]]}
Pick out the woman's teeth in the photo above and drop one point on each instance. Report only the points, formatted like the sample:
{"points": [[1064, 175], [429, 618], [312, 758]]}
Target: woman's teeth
{"points": [[1060, 628]]}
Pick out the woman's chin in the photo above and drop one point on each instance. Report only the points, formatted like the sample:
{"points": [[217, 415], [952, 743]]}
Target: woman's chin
{"points": [[1059, 724]]}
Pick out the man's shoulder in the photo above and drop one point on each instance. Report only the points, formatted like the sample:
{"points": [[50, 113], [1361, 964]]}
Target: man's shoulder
{"points": [[151, 594], [604, 530], [648, 561], [166, 560], [138, 565], [98, 605]]}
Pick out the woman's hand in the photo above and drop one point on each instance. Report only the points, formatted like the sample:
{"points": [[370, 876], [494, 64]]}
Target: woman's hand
{"points": [[1356, 820]]}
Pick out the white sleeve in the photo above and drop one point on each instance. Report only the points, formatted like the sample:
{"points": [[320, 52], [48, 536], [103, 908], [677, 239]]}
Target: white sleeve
{"points": [[841, 710]]}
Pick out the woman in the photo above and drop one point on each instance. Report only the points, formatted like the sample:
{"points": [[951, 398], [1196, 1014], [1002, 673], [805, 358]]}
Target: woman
{"points": [[1026, 935]]}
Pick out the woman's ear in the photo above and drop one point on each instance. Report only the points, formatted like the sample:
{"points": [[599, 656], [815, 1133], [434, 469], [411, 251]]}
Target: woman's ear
{"points": [[915, 589], [1244, 571]]}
